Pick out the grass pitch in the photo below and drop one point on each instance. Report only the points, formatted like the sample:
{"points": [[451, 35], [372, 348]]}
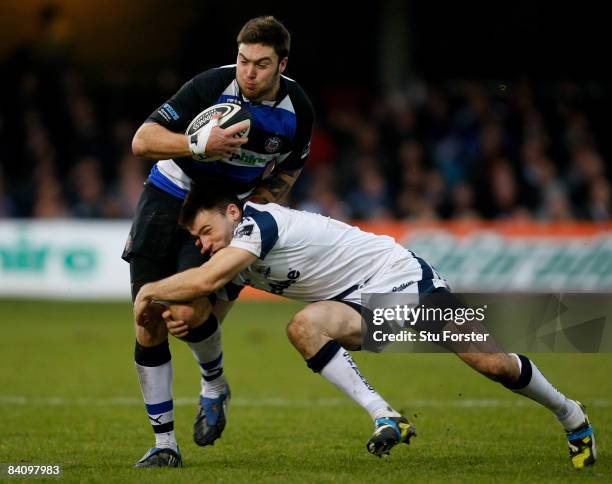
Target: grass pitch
{"points": [[69, 396]]}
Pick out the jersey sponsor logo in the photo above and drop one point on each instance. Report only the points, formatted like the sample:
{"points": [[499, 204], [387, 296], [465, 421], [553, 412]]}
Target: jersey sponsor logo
{"points": [[248, 159], [232, 99], [293, 274], [263, 270], [164, 115], [402, 286], [243, 231], [166, 108], [272, 144], [280, 286]]}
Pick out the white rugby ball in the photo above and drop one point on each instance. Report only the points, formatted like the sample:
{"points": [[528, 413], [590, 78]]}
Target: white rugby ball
{"points": [[230, 115]]}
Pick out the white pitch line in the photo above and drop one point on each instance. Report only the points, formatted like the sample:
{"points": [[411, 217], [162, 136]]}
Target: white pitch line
{"points": [[277, 402]]}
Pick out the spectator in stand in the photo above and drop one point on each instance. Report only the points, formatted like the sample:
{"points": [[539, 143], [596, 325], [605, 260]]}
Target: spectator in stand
{"points": [[500, 199], [371, 199], [126, 191], [411, 161], [7, 206], [586, 167], [49, 200], [365, 145], [322, 197], [462, 203], [556, 206], [599, 207], [88, 200]]}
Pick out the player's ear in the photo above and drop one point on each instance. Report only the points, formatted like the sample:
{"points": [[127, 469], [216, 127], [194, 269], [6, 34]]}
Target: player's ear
{"points": [[233, 211], [283, 65]]}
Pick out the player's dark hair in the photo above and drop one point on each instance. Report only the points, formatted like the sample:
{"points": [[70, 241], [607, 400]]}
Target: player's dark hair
{"points": [[269, 31], [206, 197]]}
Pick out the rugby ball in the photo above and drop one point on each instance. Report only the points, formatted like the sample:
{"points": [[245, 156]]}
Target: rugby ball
{"points": [[230, 115]]}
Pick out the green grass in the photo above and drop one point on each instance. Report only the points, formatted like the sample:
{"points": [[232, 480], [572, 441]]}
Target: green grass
{"points": [[69, 396]]}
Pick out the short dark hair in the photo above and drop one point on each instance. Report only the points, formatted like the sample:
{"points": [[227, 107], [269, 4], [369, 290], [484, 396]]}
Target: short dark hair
{"points": [[266, 30], [206, 197]]}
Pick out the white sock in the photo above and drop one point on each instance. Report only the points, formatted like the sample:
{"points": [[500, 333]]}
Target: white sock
{"points": [[156, 387], [540, 389], [209, 354], [214, 388], [166, 440], [343, 372]]}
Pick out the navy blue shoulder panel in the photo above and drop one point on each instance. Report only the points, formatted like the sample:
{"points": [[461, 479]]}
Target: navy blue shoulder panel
{"points": [[267, 227]]}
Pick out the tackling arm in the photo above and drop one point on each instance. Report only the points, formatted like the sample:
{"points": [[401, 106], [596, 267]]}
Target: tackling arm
{"points": [[196, 282]]}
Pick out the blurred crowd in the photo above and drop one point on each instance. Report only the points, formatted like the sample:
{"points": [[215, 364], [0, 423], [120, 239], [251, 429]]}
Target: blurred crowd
{"points": [[451, 150], [463, 150]]}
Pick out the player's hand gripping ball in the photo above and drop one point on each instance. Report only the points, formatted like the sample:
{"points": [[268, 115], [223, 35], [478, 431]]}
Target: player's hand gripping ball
{"points": [[204, 145]]}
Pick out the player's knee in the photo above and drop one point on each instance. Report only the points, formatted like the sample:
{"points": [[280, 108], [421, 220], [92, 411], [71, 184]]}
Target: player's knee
{"points": [[299, 328], [153, 334], [495, 366], [194, 313], [154, 320]]}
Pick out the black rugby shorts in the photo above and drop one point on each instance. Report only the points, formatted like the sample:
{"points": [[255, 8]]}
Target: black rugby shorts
{"points": [[157, 246]]}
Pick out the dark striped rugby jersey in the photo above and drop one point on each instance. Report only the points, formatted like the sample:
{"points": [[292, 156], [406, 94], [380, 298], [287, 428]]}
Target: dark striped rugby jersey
{"points": [[280, 132]]}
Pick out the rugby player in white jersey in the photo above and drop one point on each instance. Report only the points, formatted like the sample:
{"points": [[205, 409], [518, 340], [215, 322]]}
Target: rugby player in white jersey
{"points": [[312, 258]]}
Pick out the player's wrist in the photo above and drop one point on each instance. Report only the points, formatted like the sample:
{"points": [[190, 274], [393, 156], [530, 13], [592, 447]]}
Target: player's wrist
{"points": [[198, 141], [147, 293]]}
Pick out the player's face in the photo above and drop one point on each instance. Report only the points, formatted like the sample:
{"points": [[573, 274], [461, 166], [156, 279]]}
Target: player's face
{"points": [[258, 71], [215, 229]]}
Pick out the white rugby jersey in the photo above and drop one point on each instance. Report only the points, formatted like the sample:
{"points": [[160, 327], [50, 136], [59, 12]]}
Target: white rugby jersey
{"points": [[310, 257]]}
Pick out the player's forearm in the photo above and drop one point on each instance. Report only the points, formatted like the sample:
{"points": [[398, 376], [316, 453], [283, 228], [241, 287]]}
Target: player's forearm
{"points": [[155, 142], [184, 286], [199, 281], [275, 187]]}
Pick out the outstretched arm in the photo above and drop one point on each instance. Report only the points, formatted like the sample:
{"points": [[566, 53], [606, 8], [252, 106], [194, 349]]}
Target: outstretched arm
{"points": [[196, 282]]}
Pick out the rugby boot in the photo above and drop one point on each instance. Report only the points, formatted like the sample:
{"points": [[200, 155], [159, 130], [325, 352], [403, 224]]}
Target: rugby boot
{"points": [[581, 442], [211, 418], [388, 432], [156, 457]]}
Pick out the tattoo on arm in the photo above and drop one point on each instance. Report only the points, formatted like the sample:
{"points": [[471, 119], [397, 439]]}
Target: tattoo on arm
{"points": [[275, 187]]}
